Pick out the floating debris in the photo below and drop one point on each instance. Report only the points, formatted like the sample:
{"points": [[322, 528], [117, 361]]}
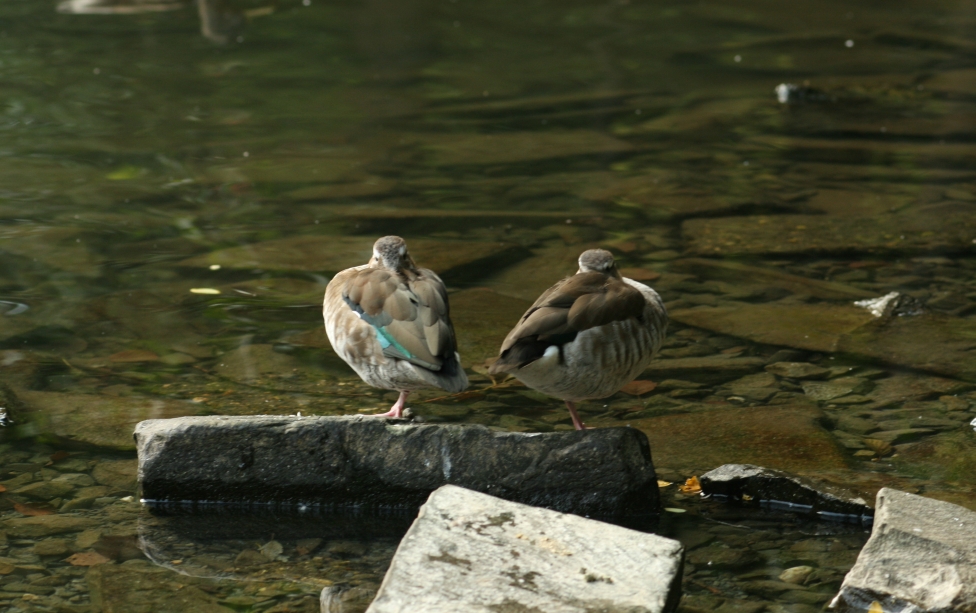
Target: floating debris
{"points": [[205, 290], [893, 303]]}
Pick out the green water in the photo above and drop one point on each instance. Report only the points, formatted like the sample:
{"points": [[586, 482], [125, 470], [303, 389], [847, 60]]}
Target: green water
{"points": [[254, 149]]}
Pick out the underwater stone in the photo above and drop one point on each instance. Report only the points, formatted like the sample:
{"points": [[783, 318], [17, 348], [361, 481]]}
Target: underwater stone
{"points": [[923, 229], [379, 463], [705, 435], [772, 487], [814, 327], [921, 557], [69, 416], [797, 370], [46, 525], [471, 552], [709, 369]]}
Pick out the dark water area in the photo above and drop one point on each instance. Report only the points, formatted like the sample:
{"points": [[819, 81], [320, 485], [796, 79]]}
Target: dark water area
{"points": [[178, 183]]}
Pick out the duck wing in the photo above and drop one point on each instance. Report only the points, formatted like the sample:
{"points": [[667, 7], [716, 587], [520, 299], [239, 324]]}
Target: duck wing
{"points": [[577, 303], [409, 313]]}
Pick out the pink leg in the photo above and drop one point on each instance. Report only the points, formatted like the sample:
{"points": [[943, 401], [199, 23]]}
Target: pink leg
{"points": [[572, 413], [397, 409]]}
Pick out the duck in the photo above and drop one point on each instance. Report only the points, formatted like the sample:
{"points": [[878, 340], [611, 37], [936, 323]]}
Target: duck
{"points": [[586, 336], [390, 321]]}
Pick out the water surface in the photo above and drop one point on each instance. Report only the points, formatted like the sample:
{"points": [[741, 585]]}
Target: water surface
{"points": [[253, 149]]}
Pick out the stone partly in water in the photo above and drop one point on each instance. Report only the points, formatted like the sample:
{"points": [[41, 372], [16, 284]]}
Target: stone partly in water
{"points": [[336, 461], [920, 558], [781, 490], [467, 551]]}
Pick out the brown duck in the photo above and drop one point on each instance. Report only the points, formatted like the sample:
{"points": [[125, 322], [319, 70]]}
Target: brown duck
{"points": [[586, 336], [390, 321]]}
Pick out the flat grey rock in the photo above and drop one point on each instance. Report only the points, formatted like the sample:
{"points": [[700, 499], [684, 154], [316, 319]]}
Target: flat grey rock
{"points": [[921, 558], [471, 552], [780, 490], [370, 462]]}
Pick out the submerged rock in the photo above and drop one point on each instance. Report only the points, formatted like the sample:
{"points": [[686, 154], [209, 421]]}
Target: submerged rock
{"points": [[515, 147], [103, 421], [814, 327], [780, 490], [482, 318], [919, 229], [930, 342], [741, 273], [467, 551], [142, 587], [706, 435], [372, 462], [921, 557], [710, 369], [798, 370]]}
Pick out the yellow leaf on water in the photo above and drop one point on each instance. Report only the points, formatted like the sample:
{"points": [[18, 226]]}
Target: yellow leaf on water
{"points": [[875, 607], [691, 486], [663, 483], [880, 448], [124, 174], [205, 290]]}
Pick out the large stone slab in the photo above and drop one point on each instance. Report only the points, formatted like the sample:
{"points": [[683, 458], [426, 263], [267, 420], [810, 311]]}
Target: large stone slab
{"points": [[921, 557], [379, 463], [471, 552], [780, 490]]}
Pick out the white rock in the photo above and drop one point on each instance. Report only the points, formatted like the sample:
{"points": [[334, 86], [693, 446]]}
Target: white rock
{"points": [[472, 552], [921, 558]]}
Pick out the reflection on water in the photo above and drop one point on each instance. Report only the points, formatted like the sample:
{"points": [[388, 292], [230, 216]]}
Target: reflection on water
{"points": [[143, 162]]}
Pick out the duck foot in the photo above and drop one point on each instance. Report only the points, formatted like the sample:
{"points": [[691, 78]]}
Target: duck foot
{"points": [[577, 423], [397, 409]]}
